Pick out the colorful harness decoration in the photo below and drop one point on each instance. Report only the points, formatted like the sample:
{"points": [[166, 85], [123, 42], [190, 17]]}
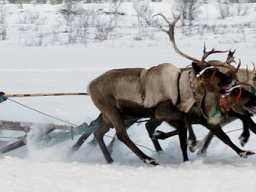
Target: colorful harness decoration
{"points": [[222, 106]]}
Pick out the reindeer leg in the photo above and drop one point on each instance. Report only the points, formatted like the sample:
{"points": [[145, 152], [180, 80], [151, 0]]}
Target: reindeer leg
{"points": [[96, 124], [206, 142], [244, 137], [217, 130], [162, 135], [191, 138], [183, 142], [128, 123], [99, 134], [171, 114], [116, 119], [178, 120], [151, 126], [252, 125]]}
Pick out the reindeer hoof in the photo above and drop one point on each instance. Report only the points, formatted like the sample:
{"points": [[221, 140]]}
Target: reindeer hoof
{"points": [[158, 135], [245, 154], [150, 161], [201, 153], [192, 145], [243, 140]]}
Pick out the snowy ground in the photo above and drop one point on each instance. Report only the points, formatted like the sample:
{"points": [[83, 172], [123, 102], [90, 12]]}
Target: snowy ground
{"points": [[69, 69]]}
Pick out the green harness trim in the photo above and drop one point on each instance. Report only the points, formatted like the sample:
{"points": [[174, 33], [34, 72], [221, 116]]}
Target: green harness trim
{"points": [[217, 107]]}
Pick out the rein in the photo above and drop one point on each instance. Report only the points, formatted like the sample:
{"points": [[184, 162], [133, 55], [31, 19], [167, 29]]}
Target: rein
{"points": [[42, 94], [239, 95], [210, 82]]}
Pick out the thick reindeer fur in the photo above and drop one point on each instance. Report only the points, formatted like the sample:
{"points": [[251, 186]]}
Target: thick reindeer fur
{"points": [[156, 88], [145, 87]]}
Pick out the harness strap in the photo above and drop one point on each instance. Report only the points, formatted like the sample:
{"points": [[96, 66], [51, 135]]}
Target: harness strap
{"points": [[210, 82], [221, 106], [239, 95], [198, 101], [178, 86]]}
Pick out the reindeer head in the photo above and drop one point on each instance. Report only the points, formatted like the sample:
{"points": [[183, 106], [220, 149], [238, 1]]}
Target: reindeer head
{"points": [[212, 79], [242, 101]]}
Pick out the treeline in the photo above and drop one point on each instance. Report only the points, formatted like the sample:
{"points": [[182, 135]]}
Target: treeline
{"points": [[111, 1], [63, 1]]}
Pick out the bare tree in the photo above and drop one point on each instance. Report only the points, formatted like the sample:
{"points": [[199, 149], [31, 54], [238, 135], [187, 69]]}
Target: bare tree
{"points": [[229, 8], [189, 10], [31, 29], [242, 7], [106, 21], [104, 26], [144, 13], [70, 11]]}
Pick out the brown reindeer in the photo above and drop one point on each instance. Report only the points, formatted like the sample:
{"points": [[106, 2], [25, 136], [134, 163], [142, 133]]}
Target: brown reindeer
{"points": [[240, 100], [158, 88], [248, 124]]}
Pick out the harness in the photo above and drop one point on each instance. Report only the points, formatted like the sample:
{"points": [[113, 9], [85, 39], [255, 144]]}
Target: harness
{"points": [[223, 105], [199, 101]]}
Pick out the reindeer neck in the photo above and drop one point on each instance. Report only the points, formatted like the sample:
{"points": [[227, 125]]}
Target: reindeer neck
{"points": [[190, 89], [218, 111], [195, 85]]}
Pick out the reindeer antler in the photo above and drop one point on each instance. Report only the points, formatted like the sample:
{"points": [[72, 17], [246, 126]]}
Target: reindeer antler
{"points": [[230, 57], [170, 33], [253, 66], [207, 53]]}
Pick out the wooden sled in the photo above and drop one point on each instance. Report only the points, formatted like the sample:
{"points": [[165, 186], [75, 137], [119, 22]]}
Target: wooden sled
{"points": [[62, 133]]}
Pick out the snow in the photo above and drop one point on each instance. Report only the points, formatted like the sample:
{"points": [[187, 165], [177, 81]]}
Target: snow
{"points": [[69, 68]]}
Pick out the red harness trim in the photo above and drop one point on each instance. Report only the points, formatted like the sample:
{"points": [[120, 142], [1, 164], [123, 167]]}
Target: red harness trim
{"points": [[239, 95], [220, 103], [210, 82]]}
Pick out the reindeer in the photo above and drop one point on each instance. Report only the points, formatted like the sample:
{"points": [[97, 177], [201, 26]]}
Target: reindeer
{"points": [[249, 77], [156, 88], [240, 101]]}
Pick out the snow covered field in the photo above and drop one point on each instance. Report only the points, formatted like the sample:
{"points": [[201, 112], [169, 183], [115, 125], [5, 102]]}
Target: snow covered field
{"points": [[69, 69]]}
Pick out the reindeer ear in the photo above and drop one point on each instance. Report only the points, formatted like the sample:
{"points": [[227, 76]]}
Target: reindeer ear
{"points": [[196, 67]]}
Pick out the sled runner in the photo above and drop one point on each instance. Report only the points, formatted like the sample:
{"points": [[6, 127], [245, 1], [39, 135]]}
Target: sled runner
{"points": [[47, 132]]}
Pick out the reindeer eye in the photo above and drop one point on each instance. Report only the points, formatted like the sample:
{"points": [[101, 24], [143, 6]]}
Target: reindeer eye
{"points": [[235, 92], [208, 72]]}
